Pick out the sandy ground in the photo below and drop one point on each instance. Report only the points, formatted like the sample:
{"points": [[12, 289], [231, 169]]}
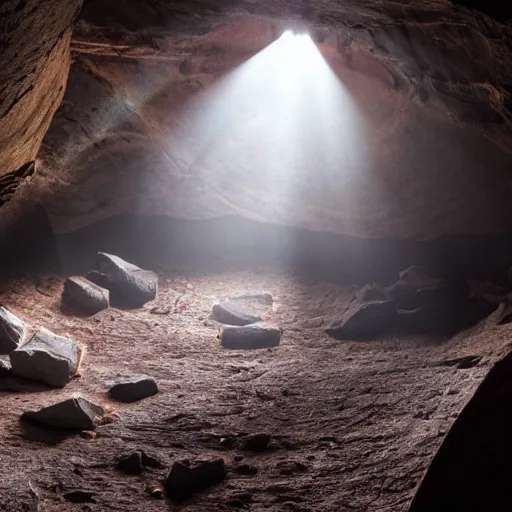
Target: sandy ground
{"points": [[354, 424]]}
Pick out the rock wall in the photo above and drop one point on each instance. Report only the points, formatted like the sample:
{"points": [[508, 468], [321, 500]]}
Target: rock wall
{"points": [[34, 51]]}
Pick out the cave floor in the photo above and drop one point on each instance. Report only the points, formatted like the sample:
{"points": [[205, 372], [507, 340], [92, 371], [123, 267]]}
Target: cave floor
{"points": [[355, 424]]}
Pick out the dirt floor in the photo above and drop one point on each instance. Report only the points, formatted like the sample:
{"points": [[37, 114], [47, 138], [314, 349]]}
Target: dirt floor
{"points": [[354, 424]]}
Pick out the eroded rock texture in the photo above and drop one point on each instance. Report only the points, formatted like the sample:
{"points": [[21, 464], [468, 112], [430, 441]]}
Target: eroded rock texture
{"points": [[34, 52], [396, 124]]}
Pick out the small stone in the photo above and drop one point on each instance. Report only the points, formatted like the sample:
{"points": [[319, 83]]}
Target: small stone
{"points": [[184, 480], [247, 470], [12, 331], [129, 284], [256, 443], [83, 295], [72, 414], [231, 313], [250, 337], [262, 298], [46, 358], [365, 321], [130, 464], [79, 497], [133, 388]]}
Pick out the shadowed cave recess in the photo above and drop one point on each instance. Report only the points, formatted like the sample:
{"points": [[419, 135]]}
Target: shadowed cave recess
{"points": [[256, 255]]}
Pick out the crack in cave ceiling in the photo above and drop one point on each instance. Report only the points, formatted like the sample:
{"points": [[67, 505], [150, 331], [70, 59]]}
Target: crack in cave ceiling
{"points": [[430, 84]]}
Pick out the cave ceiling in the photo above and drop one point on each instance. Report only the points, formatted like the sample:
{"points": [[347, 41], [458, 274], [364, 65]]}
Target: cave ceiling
{"points": [[399, 125]]}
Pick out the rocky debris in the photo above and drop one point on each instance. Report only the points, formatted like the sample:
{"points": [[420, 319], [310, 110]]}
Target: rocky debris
{"points": [[185, 480], [371, 293], [79, 496], [250, 337], [134, 463], [246, 470], [47, 358], [256, 443], [72, 414], [231, 313], [410, 281], [365, 321], [83, 295], [12, 331], [133, 388], [129, 285]]}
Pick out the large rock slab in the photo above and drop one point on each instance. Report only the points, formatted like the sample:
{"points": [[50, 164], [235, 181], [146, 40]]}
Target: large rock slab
{"points": [[72, 414], [82, 295], [46, 358], [365, 321], [250, 337], [185, 480], [12, 331], [133, 388], [130, 285]]}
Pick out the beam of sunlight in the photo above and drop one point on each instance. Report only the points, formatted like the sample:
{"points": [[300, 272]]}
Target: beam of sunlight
{"points": [[281, 123]]}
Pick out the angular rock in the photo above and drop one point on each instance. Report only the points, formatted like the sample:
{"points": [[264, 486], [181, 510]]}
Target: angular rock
{"points": [[250, 337], [102, 280], [72, 414], [183, 481], [129, 284], [133, 388], [231, 313], [136, 462], [365, 321], [256, 443], [12, 331], [83, 295], [46, 358]]}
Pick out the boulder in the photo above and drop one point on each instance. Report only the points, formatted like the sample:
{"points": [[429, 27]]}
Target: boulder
{"points": [[185, 480], [129, 285], [232, 313], [133, 388], [250, 337], [12, 331], [46, 358], [72, 414], [83, 295], [365, 321], [102, 280]]}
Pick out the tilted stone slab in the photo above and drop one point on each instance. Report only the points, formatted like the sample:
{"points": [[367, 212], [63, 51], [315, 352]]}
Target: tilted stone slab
{"points": [[46, 358], [12, 331]]}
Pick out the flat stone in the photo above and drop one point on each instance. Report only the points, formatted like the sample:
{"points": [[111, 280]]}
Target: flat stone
{"points": [[231, 313], [250, 337], [46, 358], [83, 295], [12, 331], [133, 388], [365, 321], [72, 414], [262, 298], [185, 480], [129, 284]]}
